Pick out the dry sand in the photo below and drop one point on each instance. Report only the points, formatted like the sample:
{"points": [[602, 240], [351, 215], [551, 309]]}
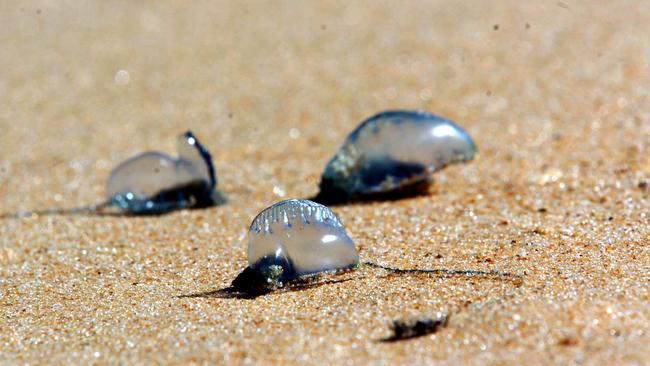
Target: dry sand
{"points": [[555, 94]]}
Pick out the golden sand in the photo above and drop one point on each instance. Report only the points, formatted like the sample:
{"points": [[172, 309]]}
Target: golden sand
{"points": [[555, 95]]}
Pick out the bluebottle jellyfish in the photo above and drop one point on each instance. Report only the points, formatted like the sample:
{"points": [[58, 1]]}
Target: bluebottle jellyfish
{"points": [[296, 241], [154, 182], [293, 239], [393, 153]]}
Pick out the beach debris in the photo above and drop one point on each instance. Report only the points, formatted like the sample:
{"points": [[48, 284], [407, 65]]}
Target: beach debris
{"points": [[293, 239], [154, 182], [393, 153], [412, 327]]}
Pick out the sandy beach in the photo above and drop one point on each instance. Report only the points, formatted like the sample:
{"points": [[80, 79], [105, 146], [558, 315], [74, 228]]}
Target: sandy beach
{"points": [[555, 95]]}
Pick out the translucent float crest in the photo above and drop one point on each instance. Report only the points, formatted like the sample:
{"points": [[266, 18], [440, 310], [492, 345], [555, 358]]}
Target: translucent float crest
{"points": [[394, 151], [293, 239], [302, 236], [154, 182]]}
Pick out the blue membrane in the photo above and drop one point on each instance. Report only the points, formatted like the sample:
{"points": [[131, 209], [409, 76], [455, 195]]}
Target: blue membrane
{"points": [[394, 151], [154, 182], [301, 236]]}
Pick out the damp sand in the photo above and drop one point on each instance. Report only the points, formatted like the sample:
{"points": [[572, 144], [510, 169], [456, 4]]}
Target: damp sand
{"points": [[554, 94]]}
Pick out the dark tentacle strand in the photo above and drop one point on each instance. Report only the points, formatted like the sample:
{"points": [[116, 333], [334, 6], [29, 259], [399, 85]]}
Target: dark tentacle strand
{"points": [[449, 272], [83, 210]]}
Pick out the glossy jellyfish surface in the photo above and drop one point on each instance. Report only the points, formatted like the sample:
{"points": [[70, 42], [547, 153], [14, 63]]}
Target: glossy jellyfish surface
{"points": [[154, 182], [300, 236], [395, 150]]}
